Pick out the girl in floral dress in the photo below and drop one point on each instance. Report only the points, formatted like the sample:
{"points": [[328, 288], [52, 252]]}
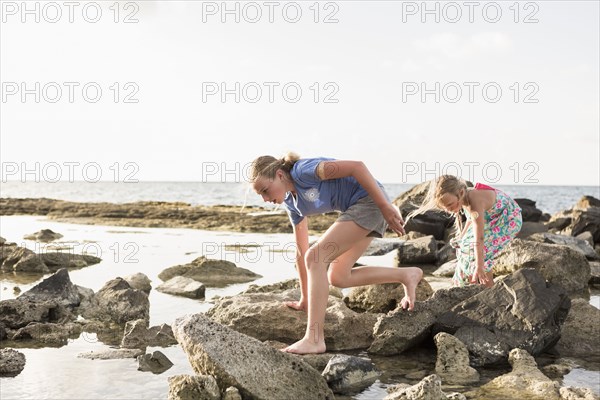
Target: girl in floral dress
{"points": [[493, 220]]}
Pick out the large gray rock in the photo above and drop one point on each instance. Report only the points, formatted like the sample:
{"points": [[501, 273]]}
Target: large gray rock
{"points": [[430, 388], [44, 236], [452, 364], [529, 211], [157, 362], [48, 334], [583, 217], [580, 335], [56, 260], [182, 286], [139, 281], [348, 374], [524, 381], [20, 259], [57, 287], [558, 264], [256, 369], [210, 272], [197, 387], [12, 362], [118, 302], [521, 310], [16, 313], [400, 330], [381, 246], [579, 245], [264, 316], [417, 251], [384, 297], [529, 228], [138, 335]]}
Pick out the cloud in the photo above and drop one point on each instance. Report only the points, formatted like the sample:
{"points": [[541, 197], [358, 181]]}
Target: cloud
{"points": [[455, 46]]}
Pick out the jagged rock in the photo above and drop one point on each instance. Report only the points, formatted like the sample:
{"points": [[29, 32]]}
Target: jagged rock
{"points": [[418, 251], [182, 286], [379, 247], [44, 236], [16, 313], [579, 245], [558, 264], [157, 362], [520, 310], [383, 298], [57, 288], [255, 368], [430, 388], [232, 394], [571, 393], [111, 354], [529, 211], [138, 335], [446, 270], [580, 334], [196, 387], [210, 272], [265, 317], [56, 260], [400, 330], [452, 363], [49, 334], [20, 259], [348, 374], [139, 281], [119, 302], [524, 380], [529, 228], [12, 362]]}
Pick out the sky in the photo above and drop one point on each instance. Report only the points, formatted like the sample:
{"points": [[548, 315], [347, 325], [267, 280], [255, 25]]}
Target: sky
{"points": [[500, 92]]}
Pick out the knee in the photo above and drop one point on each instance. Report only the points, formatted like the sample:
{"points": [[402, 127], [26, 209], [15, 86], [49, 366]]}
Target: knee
{"points": [[312, 260]]}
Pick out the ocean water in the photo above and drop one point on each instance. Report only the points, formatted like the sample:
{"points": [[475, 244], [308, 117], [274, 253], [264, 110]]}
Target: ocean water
{"points": [[549, 199]]}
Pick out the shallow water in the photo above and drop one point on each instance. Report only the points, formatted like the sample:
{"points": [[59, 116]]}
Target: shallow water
{"points": [[57, 373]]}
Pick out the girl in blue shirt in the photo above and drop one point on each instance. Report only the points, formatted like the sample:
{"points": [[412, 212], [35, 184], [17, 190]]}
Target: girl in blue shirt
{"points": [[318, 185]]}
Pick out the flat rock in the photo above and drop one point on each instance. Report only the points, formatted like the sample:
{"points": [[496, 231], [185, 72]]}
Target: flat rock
{"points": [[210, 272], [111, 354], [44, 236], [256, 369], [183, 286], [580, 245]]}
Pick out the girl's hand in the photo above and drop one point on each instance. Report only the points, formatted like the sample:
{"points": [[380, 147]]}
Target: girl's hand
{"points": [[480, 277], [299, 305], [392, 216]]}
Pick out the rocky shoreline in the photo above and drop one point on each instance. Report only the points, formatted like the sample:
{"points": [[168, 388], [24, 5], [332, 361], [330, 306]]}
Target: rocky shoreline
{"points": [[516, 339]]}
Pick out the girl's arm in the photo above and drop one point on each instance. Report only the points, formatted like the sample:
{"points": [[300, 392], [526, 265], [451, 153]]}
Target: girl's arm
{"points": [[357, 169], [477, 210], [301, 236]]}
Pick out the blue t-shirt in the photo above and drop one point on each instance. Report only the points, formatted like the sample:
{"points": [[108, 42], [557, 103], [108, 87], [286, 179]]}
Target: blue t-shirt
{"points": [[317, 196]]}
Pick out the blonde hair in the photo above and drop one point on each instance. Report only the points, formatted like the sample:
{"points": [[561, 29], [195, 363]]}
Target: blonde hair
{"points": [[267, 167], [438, 188]]}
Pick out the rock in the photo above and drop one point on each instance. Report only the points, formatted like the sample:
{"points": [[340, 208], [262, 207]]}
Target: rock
{"points": [[558, 264], [111, 354], [529, 211], [445, 254], [12, 362], [182, 286], [255, 368], [279, 287], [48, 334], [2, 241], [210, 272], [571, 393], [525, 379], [558, 370], [57, 288], [529, 228], [418, 251], [431, 222], [56, 260], [197, 387], [520, 310], [579, 245], [348, 374], [20, 259], [317, 361], [381, 246], [157, 362], [137, 335], [430, 388], [452, 363], [232, 394], [594, 272], [587, 236], [580, 335], [382, 298], [412, 235], [584, 217], [400, 330], [3, 334], [446, 270], [265, 317], [119, 302], [15, 313], [44, 236], [139, 281]]}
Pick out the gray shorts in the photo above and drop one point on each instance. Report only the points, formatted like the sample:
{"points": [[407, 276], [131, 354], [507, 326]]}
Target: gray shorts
{"points": [[366, 214]]}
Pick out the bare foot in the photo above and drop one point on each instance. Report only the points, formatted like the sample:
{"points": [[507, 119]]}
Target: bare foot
{"points": [[296, 305], [305, 346], [414, 276]]}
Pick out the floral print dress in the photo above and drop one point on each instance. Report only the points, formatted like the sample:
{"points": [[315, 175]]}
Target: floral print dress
{"points": [[502, 222]]}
